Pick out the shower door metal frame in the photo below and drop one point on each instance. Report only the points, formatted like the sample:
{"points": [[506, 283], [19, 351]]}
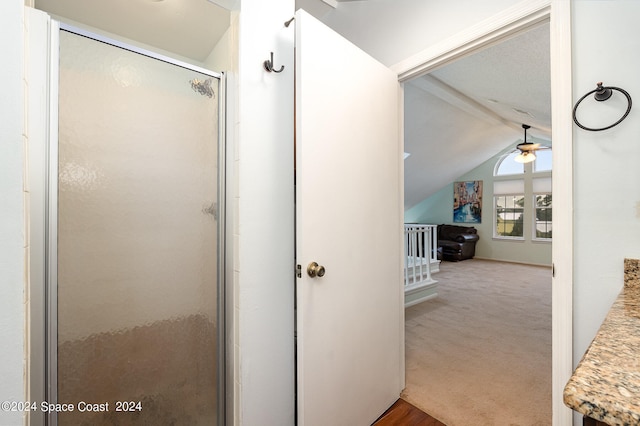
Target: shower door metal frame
{"points": [[50, 219]]}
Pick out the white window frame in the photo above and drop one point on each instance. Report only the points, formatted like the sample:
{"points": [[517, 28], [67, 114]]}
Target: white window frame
{"points": [[501, 160], [535, 162], [534, 236], [496, 236], [530, 189]]}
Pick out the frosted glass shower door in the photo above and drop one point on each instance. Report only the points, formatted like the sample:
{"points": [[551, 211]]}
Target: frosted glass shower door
{"points": [[137, 282]]}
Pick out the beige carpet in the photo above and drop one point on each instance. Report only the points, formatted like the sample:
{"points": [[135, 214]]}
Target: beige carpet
{"points": [[480, 353]]}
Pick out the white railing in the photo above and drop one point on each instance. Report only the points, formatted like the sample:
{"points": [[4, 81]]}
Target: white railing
{"points": [[421, 259]]}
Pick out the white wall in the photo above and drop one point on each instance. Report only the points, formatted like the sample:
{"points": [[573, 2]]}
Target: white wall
{"points": [[12, 232], [263, 236], [607, 200], [391, 31], [223, 56]]}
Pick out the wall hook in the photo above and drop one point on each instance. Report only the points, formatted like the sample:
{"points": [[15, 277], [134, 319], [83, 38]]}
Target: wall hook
{"points": [[268, 65]]}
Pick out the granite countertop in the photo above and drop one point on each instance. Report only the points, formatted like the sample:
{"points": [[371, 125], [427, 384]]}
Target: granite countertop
{"points": [[606, 383]]}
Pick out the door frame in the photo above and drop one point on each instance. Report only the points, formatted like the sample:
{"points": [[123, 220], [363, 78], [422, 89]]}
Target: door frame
{"points": [[43, 76], [504, 25]]}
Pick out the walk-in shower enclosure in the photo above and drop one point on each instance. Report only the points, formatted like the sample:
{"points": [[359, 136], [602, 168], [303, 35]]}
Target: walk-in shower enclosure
{"points": [[135, 229]]}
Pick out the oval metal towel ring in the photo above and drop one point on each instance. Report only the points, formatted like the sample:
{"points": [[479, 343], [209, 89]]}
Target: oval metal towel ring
{"points": [[602, 94]]}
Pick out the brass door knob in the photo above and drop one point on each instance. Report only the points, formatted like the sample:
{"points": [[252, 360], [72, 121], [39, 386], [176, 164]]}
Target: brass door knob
{"points": [[315, 270]]}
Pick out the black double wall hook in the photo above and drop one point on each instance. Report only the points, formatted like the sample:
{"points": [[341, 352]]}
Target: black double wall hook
{"points": [[268, 65]]}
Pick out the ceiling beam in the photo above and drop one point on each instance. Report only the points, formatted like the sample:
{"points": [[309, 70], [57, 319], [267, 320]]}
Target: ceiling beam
{"points": [[332, 3], [438, 88], [227, 4], [459, 100]]}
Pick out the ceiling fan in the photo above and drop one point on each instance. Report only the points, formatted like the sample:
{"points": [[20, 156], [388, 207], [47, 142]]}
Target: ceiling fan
{"points": [[528, 149]]}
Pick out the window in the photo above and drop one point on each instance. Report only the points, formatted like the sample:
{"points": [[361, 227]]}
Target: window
{"points": [[522, 198], [509, 216], [543, 216], [543, 161], [507, 165]]}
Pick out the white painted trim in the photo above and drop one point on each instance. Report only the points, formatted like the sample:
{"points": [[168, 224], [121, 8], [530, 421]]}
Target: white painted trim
{"points": [[562, 187], [499, 27], [425, 294], [415, 288], [516, 262], [510, 22], [402, 372], [37, 75]]}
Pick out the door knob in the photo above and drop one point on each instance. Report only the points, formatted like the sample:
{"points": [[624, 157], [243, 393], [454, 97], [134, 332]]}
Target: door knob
{"points": [[315, 270]]}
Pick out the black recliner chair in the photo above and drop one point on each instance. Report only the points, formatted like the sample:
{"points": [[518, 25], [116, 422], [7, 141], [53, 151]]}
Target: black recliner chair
{"points": [[457, 242]]}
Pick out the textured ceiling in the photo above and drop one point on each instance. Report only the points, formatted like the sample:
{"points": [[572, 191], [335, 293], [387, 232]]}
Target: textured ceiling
{"points": [[511, 78]]}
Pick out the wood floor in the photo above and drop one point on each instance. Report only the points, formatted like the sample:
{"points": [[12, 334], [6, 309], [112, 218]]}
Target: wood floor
{"points": [[404, 414]]}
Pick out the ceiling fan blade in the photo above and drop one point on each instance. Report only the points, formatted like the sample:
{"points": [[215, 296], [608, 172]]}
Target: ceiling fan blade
{"points": [[528, 146]]}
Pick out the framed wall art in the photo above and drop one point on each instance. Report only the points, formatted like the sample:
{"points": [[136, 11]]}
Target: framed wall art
{"points": [[467, 201]]}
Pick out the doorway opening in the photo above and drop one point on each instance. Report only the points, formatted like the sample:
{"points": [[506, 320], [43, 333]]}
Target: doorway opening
{"points": [[467, 43]]}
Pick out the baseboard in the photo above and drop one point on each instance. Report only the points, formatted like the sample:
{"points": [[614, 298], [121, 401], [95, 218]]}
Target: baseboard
{"points": [[435, 266], [422, 292], [513, 261]]}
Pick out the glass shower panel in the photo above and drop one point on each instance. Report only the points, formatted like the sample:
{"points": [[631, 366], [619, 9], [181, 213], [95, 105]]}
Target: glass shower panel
{"points": [[137, 238]]}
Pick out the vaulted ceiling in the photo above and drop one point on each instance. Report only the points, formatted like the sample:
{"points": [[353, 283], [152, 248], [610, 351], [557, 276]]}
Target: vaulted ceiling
{"points": [[461, 115], [456, 117]]}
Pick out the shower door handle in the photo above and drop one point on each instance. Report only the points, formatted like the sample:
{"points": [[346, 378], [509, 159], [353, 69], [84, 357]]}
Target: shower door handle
{"points": [[211, 209]]}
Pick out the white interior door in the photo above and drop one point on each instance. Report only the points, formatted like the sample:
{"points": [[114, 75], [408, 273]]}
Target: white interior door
{"points": [[350, 331]]}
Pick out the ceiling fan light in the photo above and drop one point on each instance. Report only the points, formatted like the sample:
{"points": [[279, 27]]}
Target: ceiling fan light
{"points": [[525, 157]]}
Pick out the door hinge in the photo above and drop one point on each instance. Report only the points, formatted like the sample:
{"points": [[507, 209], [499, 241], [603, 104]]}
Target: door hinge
{"points": [[299, 271], [553, 270]]}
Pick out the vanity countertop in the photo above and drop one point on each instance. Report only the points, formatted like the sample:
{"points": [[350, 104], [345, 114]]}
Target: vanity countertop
{"points": [[606, 383]]}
